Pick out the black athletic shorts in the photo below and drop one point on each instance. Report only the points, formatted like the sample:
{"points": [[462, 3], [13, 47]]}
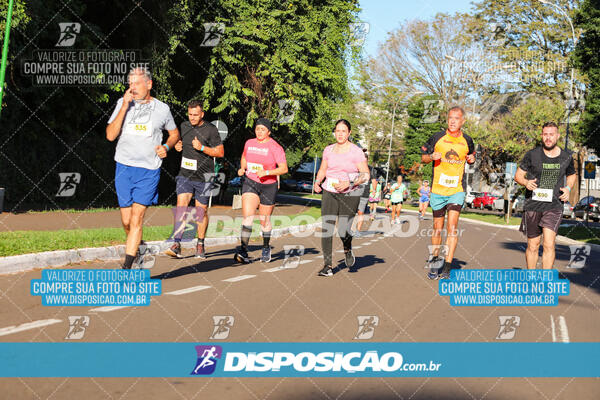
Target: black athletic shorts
{"points": [[396, 203], [266, 192], [533, 222]]}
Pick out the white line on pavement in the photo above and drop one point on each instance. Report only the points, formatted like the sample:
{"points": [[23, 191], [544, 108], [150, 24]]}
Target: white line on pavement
{"points": [[239, 278], [29, 325], [107, 308], [562, 333], [188, 290], [562, 329]]}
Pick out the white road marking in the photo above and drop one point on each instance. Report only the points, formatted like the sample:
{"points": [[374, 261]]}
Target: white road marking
{"points": [[107, 308], [507, 238], [562, 333], [283, 268], [239, 278], [28, 325], [562, 329], [188, 290], [274, 269], [356, 247]]}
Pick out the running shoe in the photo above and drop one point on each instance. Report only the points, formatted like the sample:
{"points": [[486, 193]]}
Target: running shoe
{"points": [[174, 250], [433, 264], [139, 255], [445, 271], [242, 257], [433, 275], [200, 251], [326, 271], [266, 254], [349, 258]]}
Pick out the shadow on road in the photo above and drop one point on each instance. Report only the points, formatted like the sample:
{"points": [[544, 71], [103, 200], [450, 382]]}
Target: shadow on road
{"points": [[215, 260]]}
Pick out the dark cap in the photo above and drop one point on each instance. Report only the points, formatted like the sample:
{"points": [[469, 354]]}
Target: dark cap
{"points": [[264, 122]]}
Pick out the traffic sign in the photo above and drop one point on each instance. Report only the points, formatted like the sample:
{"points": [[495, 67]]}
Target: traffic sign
{"points": [[510, 169], [589, 170]]}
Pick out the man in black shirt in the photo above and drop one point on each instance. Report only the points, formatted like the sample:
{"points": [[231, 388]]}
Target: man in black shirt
{"points": [[542, 171], [200, 142]]}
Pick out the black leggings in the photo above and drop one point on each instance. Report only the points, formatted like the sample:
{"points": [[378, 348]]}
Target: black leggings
{"points": [[334, 205]]}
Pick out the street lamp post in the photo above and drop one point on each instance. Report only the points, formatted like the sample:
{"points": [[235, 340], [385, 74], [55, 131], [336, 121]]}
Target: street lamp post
{"points": [[563, 12], [387, 171]]}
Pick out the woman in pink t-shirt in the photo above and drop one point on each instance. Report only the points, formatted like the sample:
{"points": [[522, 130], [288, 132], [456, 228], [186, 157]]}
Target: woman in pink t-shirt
{"points": [[344, 167], [263, 160]]}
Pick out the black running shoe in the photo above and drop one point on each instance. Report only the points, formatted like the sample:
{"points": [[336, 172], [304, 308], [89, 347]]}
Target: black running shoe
{"points": [[174, 250], [349, 258], [242, 257], [266, 254], [326, 271], [200, 251]]}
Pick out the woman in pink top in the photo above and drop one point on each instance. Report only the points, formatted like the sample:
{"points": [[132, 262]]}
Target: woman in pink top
{"points": [[344, 167], [263, 160]]}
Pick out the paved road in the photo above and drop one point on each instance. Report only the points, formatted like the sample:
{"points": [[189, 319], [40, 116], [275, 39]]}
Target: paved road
{"points": [[294, 304]]}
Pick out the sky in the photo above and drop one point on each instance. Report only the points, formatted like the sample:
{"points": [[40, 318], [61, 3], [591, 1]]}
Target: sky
{"points": [[384, 16]]}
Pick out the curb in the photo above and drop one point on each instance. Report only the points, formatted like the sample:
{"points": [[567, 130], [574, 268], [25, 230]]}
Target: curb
{"points": [[59, 258]]}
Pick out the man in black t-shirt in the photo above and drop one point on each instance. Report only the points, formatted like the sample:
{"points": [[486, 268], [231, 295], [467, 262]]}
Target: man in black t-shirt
{"points": [[542, 171], [200, 142]]}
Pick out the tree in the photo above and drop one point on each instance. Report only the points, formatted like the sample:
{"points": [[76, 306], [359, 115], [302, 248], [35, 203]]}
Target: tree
{"points": [[587, 59], [290, 50], [531, 38], [421, 124], [437, 57]]}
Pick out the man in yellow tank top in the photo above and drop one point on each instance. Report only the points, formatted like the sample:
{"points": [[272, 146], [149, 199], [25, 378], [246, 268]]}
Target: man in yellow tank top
{"points": [[449, 151]]}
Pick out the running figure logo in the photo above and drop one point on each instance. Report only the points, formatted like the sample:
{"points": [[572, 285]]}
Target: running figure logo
{"points": [[185, 225], [431, 111], [68, 33], [212, 34], [292, 254], [579, 255], [498, 33], [207, 359], [77, 326], [358, 33], [508, 326], [68, 183], [366, 326], [287, 111], [223, 324]]}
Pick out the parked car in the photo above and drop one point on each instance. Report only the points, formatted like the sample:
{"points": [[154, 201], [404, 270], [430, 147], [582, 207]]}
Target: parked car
{"points": [[289, 184], [485, 200], [236, 182], [588, 206], [470, 197], [517, 204], [568, 210], [304, 186]]}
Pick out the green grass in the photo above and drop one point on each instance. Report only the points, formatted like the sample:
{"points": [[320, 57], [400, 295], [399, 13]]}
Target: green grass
{"points": [[582, 233], [490, 218], [24, 242]]}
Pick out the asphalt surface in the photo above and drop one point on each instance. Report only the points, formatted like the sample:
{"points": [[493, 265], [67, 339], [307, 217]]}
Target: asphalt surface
{"points": [[271, 304]]}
